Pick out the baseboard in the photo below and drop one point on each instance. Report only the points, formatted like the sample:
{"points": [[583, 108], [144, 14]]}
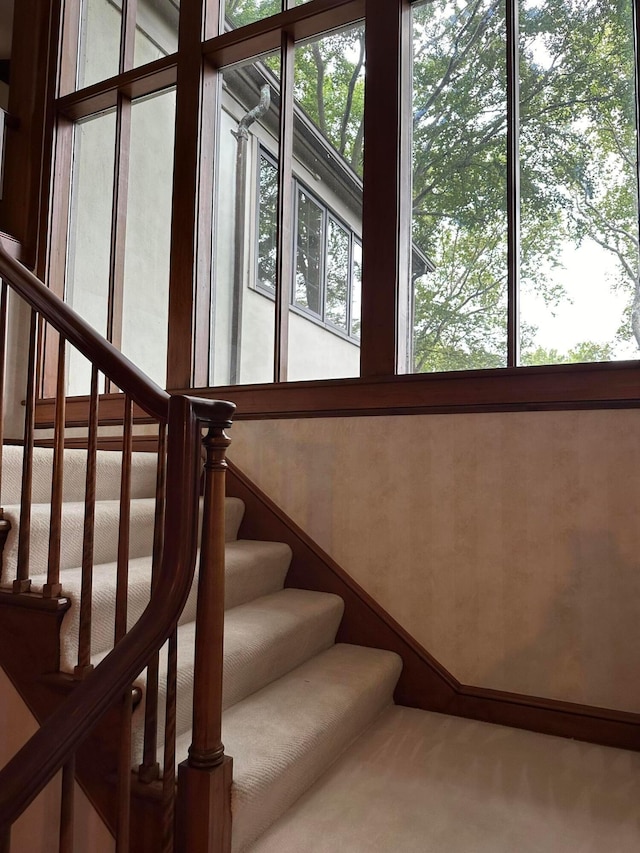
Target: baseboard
{"points": [[424, 682]]}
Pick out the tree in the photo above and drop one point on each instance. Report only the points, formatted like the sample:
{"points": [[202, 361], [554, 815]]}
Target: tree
{"points": [[578, 158]]}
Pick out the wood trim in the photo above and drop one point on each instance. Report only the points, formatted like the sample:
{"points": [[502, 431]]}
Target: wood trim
{"points": [[301, 22], [23, 173], [559, 387], [157, 75], [140, 443], [77, 412], [12, 247], [186, 179], [424, 683], [387, 190]]}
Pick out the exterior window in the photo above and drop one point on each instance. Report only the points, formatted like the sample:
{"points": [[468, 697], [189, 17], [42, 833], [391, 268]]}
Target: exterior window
{"points": [[328, 271], [267, 223], [308, 290], [337, 274]]}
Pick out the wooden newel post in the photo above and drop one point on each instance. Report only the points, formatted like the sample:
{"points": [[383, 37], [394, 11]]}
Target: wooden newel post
{"points": [[204, 780]]}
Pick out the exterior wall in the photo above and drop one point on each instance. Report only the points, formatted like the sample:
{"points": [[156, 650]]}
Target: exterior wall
{"points": [[36, 831], [315, 352], [507, 544]]}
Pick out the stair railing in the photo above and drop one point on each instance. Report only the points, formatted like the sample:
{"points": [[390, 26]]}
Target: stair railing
{"points": [[205, 776]]}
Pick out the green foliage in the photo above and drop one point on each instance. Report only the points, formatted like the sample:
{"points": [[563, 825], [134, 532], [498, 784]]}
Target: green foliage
{"points": [[582, 352], [578, 159]]}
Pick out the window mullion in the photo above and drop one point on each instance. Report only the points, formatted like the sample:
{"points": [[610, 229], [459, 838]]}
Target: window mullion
{"points": [[513, 184], [284, 267], [118, 222], [128, 34], [386, 230]]}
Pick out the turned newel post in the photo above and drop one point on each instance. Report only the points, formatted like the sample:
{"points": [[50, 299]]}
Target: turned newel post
{"points": [[204, 779], [206, 748]]}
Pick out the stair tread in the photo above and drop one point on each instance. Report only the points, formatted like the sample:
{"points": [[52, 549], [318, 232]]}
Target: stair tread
{"points": [[253, 569], [286, 735], [263, 640], [107, 517]]}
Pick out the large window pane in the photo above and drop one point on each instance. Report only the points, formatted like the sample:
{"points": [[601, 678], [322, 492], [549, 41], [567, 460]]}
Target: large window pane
{"points": [[309, 252], [579, 263], [87, 280], [238, 13], [99, 54], [148, 234], [327, 164], [156, 29], [459, 272], [244, 268], [156, 35]]}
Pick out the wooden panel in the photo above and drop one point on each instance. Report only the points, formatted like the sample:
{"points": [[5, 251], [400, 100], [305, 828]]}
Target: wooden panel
{"points": [[424, 683], [27, 98]]}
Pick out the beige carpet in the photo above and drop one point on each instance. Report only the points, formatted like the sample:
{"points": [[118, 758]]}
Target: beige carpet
{"points": [[418, 782]]}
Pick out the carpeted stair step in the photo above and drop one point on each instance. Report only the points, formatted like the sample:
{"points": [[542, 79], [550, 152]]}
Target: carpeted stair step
{"points": [[263, 640], [286, 735], [253, 569], [107, 519], [108, 467]]}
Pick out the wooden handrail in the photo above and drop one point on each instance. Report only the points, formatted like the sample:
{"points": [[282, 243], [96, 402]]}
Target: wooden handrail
{"points": [[56, 741], [110, 361]]}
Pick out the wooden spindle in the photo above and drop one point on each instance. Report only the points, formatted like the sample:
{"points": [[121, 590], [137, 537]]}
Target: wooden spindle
{"points": [[22, 582], [149, 770], [122, 581], [67, 806], [206, 748], [4, 524], [53, 587], [84, 665], [169, 756], [123, 817]]}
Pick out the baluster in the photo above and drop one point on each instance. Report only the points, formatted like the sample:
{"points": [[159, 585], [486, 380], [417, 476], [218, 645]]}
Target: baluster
{"points": [[67, 806], [22, 582], [123, 819], [150, 769], [122, 584], [205, 778], [53, 587], [169, 757], [4, 525], [122, 581], [84, 665]]}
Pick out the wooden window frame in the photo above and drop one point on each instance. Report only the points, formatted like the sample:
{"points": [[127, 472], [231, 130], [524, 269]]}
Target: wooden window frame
{"points": [[386, 217]]}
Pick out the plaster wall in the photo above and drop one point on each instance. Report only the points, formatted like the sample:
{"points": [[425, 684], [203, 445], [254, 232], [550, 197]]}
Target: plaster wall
{"points": [[36, 831], [507, 544]]}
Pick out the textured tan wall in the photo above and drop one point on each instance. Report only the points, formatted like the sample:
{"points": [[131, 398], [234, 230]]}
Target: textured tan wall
{"points": [[36, 831], [507, 544]]}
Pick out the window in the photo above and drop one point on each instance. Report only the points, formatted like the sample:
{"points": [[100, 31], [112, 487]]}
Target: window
{"points": [[328, 265], [467, 220], [525, 186]]}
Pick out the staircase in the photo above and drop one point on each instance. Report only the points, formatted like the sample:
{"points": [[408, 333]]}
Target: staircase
{"points": [[293, 700]]}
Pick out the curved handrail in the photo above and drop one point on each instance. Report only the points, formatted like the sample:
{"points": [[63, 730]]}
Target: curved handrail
{"points": [[53, 744], [110, 361]]}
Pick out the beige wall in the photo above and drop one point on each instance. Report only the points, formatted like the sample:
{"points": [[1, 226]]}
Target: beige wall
{"points": [[507, 544], [36, 830]]}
